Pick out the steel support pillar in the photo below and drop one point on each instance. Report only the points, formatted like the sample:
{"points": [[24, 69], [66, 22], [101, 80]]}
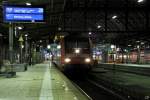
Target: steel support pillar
{"points": [[11, 42]]}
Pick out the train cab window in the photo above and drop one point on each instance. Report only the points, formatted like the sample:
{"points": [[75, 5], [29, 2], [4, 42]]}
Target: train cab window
{"points": [[71, 44]]}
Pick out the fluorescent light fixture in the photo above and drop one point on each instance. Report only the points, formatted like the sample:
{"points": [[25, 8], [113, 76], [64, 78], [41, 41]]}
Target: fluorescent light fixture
{"points": [[114, 17], [139, 1], [28, 4]]}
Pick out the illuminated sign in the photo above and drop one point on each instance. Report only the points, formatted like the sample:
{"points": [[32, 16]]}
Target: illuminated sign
{"points": [[23, 14]]}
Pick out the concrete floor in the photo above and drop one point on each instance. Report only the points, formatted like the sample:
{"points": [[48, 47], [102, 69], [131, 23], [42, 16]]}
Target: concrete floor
{"points": [[40, 82]]}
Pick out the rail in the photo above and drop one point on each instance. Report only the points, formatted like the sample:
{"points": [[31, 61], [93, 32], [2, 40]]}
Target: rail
{"points": [[82, 91]]}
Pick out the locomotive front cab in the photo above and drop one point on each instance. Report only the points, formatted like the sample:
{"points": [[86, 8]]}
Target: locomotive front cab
{"points": [[77, 51]]}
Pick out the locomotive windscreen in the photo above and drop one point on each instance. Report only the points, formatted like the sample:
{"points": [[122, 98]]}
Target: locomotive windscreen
{"points": [[81, 43]]}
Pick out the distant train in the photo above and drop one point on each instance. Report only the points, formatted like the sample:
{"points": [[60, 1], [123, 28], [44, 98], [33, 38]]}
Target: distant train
{"points": [[76, 54]]}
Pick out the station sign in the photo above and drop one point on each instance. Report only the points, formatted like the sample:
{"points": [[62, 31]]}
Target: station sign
{"points": [[23, 14]]}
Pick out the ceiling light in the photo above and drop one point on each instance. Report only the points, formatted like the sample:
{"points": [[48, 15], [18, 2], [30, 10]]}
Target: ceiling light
{"points": [[129, 45], [114, 17], [40, 41], [22, 46], [20, 28], [28, 4], [137, 41], [125, 50], [26, 35], [48, 46], [139, 1], [118, 49], [99, 26], [90, 33], [112, 46], [138, 46], [59, 28], [59, 47], [142, 43]]}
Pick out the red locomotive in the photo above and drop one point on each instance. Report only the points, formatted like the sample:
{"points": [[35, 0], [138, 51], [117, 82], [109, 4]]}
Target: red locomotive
{"points": [[76, 53]]}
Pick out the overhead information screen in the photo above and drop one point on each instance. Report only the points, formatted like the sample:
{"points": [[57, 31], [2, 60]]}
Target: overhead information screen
{"points": [[23, 14]]}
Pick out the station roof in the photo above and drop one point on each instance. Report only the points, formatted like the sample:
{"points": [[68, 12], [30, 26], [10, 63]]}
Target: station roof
{"points": [[120, 22]]}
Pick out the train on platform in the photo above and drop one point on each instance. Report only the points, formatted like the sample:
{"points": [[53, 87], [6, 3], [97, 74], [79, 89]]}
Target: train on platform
{"points": [[76, 54]]}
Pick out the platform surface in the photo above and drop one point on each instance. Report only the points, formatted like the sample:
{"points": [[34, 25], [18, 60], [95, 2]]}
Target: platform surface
{"points": [[131, 65], [136, 65], [40, 82]]}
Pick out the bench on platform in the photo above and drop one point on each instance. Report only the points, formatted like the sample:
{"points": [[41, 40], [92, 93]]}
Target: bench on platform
{"points": [[11, 69]]}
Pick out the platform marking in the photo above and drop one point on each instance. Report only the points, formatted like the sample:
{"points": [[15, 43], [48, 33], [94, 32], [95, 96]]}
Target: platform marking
{"points": [[46, 89]]}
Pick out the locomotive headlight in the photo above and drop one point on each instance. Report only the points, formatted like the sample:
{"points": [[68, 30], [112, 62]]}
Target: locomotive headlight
{"points": [[87, 60], [67, 60], [77, 51]]}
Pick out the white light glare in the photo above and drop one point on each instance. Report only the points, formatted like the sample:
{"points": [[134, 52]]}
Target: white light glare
{"points": [[125, 56], [90, 33], [26, 35], [142, 43], [28, 4], [77, 50], [58, 47], [22, 46], [67, 60], [99, 26], [40, 41], [118, 49], [87, 60], [114, 17], [48, 46], [20, 28], [112, 46], [139, 1]]}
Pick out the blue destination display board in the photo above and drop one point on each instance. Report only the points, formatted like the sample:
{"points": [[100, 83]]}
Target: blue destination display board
{"points": [[23, 14]]}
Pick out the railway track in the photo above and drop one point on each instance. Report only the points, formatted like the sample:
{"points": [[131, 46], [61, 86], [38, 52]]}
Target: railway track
{"points": [[97, 91]]}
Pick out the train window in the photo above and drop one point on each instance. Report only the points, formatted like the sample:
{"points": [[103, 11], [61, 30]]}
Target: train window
{"points": [[83, 44]]}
